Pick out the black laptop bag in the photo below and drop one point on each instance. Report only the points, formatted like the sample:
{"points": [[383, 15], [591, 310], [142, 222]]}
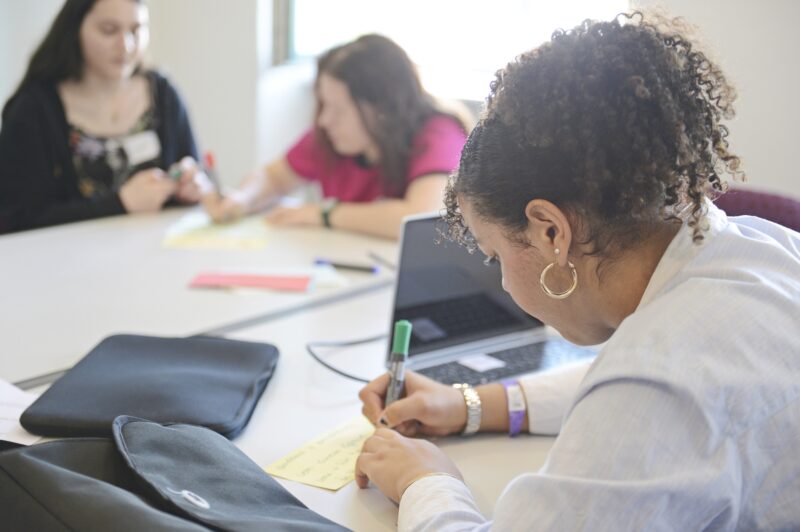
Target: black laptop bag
{"points": [[149, 476], [201, 380]]}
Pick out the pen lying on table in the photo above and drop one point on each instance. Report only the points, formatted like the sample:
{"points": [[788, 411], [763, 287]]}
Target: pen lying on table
{"points": [[349, 267]]}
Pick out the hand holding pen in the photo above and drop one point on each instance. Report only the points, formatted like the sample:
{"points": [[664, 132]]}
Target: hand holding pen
{"points": [[397, 361], [195, 180], [184, 174], [427, 407]]}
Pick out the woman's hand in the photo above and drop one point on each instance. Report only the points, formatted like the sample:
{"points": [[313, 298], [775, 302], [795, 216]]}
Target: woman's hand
{"points": [[190, 182], [309, 214], [146, 191], [223, 209], [235, 204], [429, 407], [393, 462]]}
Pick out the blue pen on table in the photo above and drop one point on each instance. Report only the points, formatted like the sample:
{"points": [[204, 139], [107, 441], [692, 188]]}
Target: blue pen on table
{"points": [[349, 267], [397, 362]]}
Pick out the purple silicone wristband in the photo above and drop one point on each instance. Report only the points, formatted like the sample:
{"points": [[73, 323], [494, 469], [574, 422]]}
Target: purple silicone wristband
{"points": [[515, 417]]}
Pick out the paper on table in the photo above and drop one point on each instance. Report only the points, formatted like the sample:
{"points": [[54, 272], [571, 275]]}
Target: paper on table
{"points": [[291, 283], [13, 402], [197, 230], [329, 460], [300, 279]]}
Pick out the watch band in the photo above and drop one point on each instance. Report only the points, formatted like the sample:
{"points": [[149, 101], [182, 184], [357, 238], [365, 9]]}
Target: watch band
{"points": [[328, 205], [473, 402], [517, 407]]}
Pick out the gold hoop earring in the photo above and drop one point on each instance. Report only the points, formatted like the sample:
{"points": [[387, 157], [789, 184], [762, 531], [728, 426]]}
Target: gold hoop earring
{"points": [[559, 295]]}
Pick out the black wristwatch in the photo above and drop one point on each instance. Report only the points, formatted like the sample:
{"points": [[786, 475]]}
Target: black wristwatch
{"points": [[327, 206]]}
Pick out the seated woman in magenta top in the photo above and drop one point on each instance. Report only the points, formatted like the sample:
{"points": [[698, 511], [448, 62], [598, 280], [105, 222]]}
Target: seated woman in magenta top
{"points": [[381, 148]]}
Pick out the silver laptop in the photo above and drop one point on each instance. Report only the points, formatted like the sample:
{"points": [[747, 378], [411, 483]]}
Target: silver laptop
{"points": [[466, 328]]}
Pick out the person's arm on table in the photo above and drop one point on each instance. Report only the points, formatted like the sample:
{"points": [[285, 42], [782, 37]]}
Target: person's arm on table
{"points": [[549, 395], [384, 218], [433, 486], [631, 451], [254, 193], [380, 218]]}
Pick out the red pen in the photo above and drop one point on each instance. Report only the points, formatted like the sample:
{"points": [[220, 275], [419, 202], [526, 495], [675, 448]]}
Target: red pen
{"points": [[210, 168]]}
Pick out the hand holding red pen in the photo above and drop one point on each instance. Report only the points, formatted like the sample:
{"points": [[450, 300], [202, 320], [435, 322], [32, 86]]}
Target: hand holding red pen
{"points": [[230, 206]]}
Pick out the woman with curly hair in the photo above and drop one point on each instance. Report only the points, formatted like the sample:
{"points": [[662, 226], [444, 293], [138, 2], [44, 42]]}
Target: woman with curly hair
{"points": [[381, 147], [590, 178]]}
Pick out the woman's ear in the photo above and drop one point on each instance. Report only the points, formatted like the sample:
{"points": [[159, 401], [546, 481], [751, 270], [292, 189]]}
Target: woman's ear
{"points": [[548, 230]]}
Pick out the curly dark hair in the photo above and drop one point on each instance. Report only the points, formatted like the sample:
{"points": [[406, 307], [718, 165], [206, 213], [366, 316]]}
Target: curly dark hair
{"points": [[617, 123]]}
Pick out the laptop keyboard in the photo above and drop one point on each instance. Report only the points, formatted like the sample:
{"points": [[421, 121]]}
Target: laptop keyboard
{"points": [[518, 360]]}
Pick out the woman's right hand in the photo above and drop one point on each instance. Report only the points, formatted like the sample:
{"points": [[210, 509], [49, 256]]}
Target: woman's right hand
{"points": [[223, 208], [231, 206], [428, 407], [146, 191]]}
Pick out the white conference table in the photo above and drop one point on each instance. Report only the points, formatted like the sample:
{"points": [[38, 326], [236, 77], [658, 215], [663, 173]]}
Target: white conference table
{"points": [[64, 288], [304, 400]]}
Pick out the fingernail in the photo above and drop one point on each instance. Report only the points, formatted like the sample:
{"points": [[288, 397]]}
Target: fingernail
{"points": [[383, 421]]}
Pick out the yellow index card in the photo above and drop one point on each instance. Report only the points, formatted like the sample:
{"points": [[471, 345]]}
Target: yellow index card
{"points": [[329, 460], [196, 230]]}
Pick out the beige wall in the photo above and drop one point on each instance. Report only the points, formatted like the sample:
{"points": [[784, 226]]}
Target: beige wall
{"points": [[756, 44]]}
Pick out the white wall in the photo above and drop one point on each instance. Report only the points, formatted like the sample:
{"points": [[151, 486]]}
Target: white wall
{"points": [[209, 49], [756, 44], [285, 107], [23, 24]]}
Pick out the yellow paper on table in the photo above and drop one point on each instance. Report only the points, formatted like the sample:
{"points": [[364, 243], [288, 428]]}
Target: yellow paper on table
{"points": [[329, 460], [198, 231]]}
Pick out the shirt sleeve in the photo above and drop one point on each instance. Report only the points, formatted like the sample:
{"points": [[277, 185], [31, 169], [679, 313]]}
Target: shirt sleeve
{"points": [[305, 156], [439, 503], [437, 149], [636, 455], [550, 394]]}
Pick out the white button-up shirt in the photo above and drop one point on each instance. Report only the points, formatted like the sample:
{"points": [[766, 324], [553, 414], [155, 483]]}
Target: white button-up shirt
{"points": [[689, 417]]}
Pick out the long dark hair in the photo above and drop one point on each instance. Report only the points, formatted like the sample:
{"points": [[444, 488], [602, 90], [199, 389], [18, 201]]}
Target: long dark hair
{"points": [[619, 123], [378, 73], [59, 57]]}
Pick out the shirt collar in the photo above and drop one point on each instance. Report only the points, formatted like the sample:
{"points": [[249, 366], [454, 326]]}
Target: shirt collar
{"points": [[682, 249]]}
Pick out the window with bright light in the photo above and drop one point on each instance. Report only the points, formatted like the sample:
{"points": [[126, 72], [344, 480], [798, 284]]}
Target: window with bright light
{"points": [[457, 44]]}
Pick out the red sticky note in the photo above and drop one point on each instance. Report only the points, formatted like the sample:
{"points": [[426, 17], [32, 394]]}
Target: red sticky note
{"points": [[289, 283]]}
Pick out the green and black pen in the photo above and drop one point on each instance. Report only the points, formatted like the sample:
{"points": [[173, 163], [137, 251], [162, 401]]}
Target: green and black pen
{"points": [[209, 166], [397, 362]]}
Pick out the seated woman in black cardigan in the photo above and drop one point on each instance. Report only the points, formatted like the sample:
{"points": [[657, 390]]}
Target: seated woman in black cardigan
{"points": [[89, 132]]}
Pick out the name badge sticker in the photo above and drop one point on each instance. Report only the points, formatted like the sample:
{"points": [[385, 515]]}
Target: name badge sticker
{"points": [[141, 147]]}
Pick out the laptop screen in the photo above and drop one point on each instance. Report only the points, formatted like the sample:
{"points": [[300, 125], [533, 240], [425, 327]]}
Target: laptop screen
{"points": [[448, 294]]}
